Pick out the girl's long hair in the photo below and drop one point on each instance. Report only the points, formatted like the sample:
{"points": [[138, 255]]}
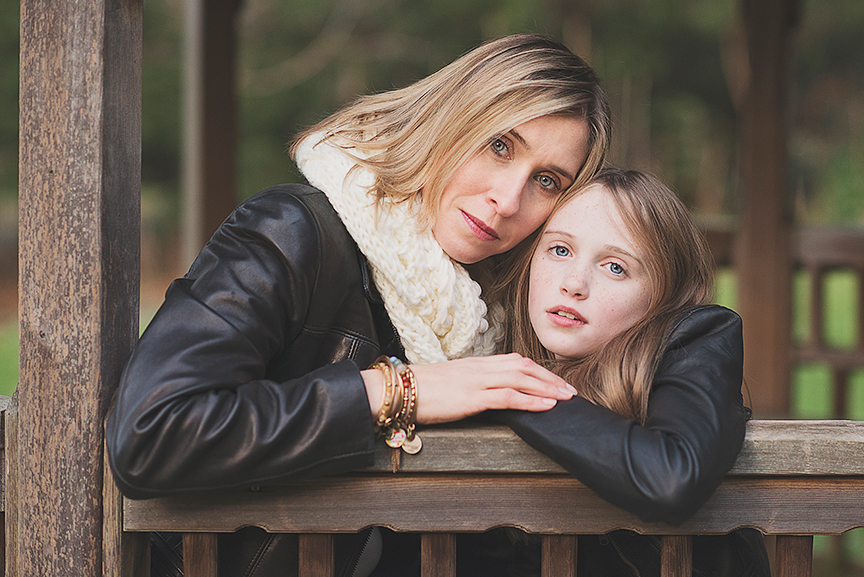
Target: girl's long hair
{"points": [[415, 138], [681, 273]]}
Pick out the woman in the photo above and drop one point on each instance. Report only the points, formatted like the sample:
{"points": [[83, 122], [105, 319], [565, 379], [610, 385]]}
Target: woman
{"points": [[254, 370]]}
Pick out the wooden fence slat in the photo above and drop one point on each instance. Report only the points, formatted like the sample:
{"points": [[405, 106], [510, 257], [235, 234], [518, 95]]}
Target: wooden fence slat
{"points": [[558, 556], [676, 556], [840, 377], [200, 554], [316, 557], [438, 555], [859, 277], [817, 303], [794, 555]]}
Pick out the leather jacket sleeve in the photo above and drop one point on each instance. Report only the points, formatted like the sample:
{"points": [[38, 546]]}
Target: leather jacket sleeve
{"points": [[199, 407], [694, 430]]}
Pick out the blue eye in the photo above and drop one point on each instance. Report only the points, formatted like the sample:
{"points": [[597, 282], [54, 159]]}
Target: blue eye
{"points": [[616, 268], [561, 251]]}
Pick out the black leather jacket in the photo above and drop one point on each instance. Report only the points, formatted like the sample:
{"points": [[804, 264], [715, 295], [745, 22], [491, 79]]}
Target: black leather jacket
{"points": [[249, 375]]}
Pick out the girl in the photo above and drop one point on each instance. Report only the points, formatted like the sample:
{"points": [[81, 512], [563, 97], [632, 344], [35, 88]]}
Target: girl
{"points": [[610, 295], [597, 291]]}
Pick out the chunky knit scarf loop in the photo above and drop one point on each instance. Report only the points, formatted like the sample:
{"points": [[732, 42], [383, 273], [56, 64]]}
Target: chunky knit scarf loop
{"points": [[432, 301]]}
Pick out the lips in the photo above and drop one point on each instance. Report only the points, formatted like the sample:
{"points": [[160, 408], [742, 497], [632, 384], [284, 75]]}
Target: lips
{"points": [[566, 317], [480, 229]]}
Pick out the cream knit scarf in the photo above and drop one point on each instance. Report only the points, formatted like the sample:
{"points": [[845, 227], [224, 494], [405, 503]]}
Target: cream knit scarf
{"points": [[432, 301]]}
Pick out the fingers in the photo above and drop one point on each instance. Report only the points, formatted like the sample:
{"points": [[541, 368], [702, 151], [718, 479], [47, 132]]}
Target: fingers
{"points": [[520, 373], [456, 389], [512, 399]]}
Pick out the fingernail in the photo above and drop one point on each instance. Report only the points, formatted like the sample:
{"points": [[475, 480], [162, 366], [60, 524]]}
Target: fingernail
{"points": [[548, 401], [568, 390]]}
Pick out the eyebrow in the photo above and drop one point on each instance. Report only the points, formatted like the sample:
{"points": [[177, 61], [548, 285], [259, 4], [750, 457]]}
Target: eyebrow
{"points": [[555, 168], [607, 248]]}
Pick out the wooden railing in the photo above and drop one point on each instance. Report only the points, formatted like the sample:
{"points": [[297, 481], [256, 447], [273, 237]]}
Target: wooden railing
{"points": [[793, 479], [819, 252]]}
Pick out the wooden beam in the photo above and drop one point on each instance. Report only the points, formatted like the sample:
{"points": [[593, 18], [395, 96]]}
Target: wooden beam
{"points": [[676, 556], [543, 504], [210, 120], [438, 555], [200, 554], [770, 448], [558, 556], [316, 555], [764, 261], [794, 555], [79, 218]]}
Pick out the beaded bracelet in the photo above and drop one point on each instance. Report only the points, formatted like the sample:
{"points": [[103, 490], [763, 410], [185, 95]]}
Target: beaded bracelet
{"points": [[387, 411], [396, 416], [405, 437]]}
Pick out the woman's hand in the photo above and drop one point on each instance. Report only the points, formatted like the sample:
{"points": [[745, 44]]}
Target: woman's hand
{"points": [[456, 389]]}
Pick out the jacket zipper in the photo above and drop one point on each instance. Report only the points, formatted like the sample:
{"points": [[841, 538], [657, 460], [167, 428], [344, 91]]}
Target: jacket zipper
{"points": [[623, 557], [362, 550]]}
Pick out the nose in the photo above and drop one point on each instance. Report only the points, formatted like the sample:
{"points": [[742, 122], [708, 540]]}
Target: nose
{"points": [[506, 196], [575, 283]]}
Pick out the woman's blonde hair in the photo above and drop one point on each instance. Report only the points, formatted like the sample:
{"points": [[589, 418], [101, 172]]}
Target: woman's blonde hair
{"points": [[415, 138], [681, 274]]}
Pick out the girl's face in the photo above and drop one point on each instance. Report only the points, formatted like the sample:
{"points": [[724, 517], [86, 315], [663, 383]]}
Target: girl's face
{"points": [[588, 278], [505, 192]]}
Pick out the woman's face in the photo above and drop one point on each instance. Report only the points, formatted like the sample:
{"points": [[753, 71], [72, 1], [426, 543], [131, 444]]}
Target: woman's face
{"points": [[588, 278], [505, 192]]}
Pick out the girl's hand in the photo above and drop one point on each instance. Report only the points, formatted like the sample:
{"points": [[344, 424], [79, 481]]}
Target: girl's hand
{"points": [[453, 390]]}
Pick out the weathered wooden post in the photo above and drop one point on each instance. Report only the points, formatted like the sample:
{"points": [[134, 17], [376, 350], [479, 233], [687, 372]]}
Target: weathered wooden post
{"points": [[79, 245], [764, 261]]}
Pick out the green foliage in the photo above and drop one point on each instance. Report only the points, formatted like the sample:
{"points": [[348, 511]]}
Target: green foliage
{"points": [[8, 356], [8, 99], [160, 99]]}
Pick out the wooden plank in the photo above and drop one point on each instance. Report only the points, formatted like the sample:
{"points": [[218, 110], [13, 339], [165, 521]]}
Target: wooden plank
{"points": [[849, 359], [802, 448], [480, 449], [770, 448], [676, 556], [200, 554], [79, 215], [558, 556], [794, 556], [536, 504], [829, 247], [316, 557], [438, 555]]}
